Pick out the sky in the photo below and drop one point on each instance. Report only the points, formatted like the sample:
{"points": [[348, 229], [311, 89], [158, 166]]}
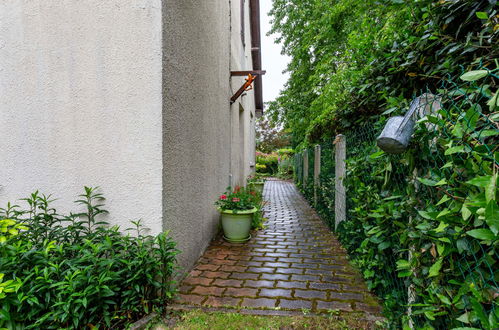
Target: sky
{"points": [[272, 60]]}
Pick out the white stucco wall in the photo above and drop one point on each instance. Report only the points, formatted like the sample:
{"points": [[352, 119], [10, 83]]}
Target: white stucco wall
{"points": [[243, 145], [202, 148], [132, 96], [80, 103]]}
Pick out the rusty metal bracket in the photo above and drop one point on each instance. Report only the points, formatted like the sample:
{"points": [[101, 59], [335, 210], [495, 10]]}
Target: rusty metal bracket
{"points": [[245, 73], [245, 87]]}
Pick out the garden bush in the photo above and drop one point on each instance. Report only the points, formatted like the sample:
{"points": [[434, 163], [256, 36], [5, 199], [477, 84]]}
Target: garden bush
{"points": [[271, 162], [74, 271]]}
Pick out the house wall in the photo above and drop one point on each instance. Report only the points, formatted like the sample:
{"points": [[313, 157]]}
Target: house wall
{"points": [[80, 103], [202, 131], [131, 96]]}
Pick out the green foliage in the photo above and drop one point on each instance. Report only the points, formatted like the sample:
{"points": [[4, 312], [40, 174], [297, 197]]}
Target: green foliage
{"points": [[427, 219], [354, 59], [74, 271], [270, 161]]}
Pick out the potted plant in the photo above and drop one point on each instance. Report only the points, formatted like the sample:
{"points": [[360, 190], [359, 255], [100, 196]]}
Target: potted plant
{"points": [[256, 183], [237, 209]]}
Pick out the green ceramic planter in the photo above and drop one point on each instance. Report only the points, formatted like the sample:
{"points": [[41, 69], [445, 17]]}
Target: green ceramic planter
{"points": [[237, 226], [258, 186]]}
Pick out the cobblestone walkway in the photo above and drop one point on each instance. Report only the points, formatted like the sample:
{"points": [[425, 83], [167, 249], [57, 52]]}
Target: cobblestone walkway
{"points": [[293, 264]]}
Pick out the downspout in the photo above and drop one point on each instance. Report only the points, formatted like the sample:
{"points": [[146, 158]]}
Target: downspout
{"points": [[230, 88]]}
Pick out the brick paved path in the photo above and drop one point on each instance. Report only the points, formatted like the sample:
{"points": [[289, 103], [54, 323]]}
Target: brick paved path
{"points": [[293, 264]]}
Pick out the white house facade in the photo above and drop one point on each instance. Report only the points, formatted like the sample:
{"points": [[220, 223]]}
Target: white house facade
{"points": [[133, 97]]}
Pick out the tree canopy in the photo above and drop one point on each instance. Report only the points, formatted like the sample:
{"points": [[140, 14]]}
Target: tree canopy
{"points": [[355, 59]]}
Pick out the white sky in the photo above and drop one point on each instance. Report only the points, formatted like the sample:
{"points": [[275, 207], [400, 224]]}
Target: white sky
{"points": [[272, 60]]}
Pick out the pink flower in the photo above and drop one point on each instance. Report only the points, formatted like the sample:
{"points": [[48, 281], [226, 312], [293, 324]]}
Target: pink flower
{"points": [[235, 199], [223, 197]]}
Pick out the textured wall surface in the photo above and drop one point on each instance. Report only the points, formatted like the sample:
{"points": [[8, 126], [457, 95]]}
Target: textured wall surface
{"points": [[80, 103], [202, 147], [132, 96]]}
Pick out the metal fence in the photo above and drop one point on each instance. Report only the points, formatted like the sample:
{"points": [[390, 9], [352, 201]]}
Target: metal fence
{"points": [[422, 226]]}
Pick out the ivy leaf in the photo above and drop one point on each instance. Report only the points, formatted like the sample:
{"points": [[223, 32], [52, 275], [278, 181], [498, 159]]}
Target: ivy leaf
{"points": [[480, 181], [403, 264], [480, 313], [454, 150], [441, 227], [462, 245], [481, 15], [427, 215], [443, 200], [474, 75], [492, 216], [435, 269], [443, 213], [490, 189], [493, 102], [482, 234], [444, 299], [427, 182], [465, 212], [465, 318]]}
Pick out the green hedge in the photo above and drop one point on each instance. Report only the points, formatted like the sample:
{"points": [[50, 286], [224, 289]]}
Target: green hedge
{"points": [[427, 221], [74, 271]]}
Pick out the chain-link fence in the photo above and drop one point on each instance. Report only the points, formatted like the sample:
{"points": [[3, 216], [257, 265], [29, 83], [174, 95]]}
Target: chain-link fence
{"points": [[422, 225]]}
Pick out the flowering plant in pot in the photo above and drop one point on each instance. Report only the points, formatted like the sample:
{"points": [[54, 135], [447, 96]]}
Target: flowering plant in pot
{"points": [[237, 208], [256, 183]]}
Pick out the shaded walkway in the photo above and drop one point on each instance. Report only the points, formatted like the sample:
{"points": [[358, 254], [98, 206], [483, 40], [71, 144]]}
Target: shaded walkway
{"points": [[293, 264]]}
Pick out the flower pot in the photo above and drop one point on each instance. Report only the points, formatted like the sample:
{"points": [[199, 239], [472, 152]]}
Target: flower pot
{"points": [[237, 224], [258, 186]]}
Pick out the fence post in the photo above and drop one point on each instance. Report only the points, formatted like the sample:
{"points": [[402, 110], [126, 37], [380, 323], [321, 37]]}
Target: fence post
{"points": [[305, 167], [317, 171], [340, 211]]}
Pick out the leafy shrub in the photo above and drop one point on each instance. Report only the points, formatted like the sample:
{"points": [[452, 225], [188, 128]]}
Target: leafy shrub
{"points": [[260, 168], [270, 161], [427, 221], [74, 271]]}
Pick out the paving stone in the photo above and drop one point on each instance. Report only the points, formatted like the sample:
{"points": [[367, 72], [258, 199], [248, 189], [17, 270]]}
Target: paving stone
{"points": [[275, 293], [289, 271], [259, 284], [275, 264], [244, 276], [367, 308], [295, 304], [334, 305], [208, 290], [295, 263], [346, 296], [263, 259], [227, 268], [250, 263], [266, 276], [190, 299], [310, 294], [291, 285], [305, 278], [241, 292], [222, 301], [260, 302], [276, 255], [215, 274], [198, 281], [261, 269], [207, 267], [233, 283], [325, 286]]}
